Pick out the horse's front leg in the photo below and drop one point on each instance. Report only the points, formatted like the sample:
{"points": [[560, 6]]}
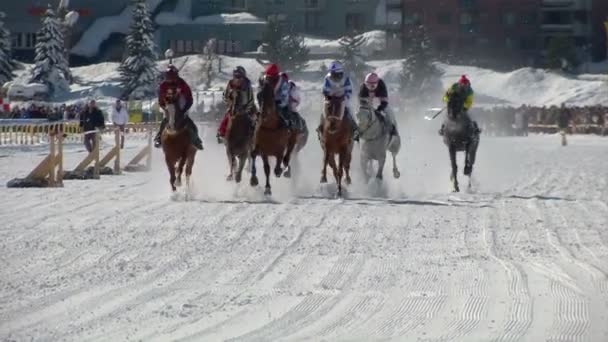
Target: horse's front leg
{"points": [[337, 170], [254, 178], [180, 169], [471, 153], [231, 162], [324, 168], [239, 171], [396, 172], [380, 172], [364, 163], [267, 190], [346, 160], [171, 167], [293, 139], [454, 175]]}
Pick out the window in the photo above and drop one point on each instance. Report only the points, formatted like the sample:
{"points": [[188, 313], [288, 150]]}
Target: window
{"points": [[468, 3], [444, 18], [527, 43], [311, 3], [509, 19], [180, 46], [30, 40], [281, 18], [196, 46], [311, 21], [17, 40], [466, 18], [528, 18], [355, 21], [413, 18], [237, 4]]}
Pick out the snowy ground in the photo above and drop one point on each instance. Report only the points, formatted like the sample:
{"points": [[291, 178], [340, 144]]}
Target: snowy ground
{"points": [[523, 259]]}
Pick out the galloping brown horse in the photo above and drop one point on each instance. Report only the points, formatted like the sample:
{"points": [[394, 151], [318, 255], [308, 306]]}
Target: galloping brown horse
{"points": [[270, 139], [239, 136], [177, 145], [336, 138]]}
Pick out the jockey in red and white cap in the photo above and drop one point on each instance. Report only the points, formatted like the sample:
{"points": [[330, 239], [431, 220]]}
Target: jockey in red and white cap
{"points": [[375, 91], [281, 92], [175, 87]]}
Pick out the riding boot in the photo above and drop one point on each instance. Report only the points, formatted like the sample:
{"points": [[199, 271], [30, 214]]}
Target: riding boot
{"points": [[193, 130], [157, 142], [442, 129], [284, 114], [476, 128], [353, 123]]}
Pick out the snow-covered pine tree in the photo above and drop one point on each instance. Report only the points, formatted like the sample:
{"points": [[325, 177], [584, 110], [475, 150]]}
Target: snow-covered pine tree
{"points": [[284, 47], [419, 78], [138, 71], [7, 64], [272, 43], [210, 63], [294, 55], [50, 63], [350, 49]]}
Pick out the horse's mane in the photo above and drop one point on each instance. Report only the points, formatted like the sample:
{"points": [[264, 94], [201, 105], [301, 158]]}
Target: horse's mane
{"points": [[267, 93], [455, 105]]}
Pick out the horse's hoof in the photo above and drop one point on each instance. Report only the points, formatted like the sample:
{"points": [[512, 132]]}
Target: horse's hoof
{"points": [[278, 172], [468, 169], [229, 178], [178, 183], [323, 179], [237, 178], [287, 173], [348, 181], [267, 192], [174, 188], [396, 174], [379, 177], [254, 181]]}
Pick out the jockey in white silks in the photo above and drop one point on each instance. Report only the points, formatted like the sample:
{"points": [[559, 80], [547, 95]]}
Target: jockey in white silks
{"points": [[338, 84]]}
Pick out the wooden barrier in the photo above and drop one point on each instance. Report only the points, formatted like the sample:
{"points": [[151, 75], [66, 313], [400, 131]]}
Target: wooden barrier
{"points": [[146, 152], [49, 173]]}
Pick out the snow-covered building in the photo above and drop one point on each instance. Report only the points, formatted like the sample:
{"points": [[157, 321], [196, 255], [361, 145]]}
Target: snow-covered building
{"points": [[185, 25]]}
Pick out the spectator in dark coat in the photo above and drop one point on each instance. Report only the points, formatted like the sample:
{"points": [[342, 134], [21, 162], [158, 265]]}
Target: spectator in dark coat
{"points": [[564, 117], [91, 119]]}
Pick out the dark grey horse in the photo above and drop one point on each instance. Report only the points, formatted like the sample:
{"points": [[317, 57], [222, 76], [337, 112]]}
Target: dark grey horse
{"points": [[460, 134]]}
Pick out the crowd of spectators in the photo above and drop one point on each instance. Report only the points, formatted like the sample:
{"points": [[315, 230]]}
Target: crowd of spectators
{"points": [[53, 113], [503, 121]]}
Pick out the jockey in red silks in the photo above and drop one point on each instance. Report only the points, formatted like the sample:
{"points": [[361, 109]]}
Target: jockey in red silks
{"points": [[238, 89], [183, 101], [281, 92]]}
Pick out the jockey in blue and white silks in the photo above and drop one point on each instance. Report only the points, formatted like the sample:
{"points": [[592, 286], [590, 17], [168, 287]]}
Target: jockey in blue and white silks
{"points": [[338, 84]]}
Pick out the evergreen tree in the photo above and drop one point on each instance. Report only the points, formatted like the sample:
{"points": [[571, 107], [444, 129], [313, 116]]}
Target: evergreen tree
{"points": [[350, 48], [7, 64], [211, 63], [561, 54], [285, 48], [294, 55], [138, 71], [50, 63], [419, 78], [272, 43]]}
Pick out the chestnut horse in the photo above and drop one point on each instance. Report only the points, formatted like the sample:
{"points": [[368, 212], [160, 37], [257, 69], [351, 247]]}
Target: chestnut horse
{"points": [[336, 138], [270, 138], [239, 140], [177, 145]]}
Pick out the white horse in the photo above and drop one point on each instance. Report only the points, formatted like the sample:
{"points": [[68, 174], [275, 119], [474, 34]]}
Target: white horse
{"points": [[376, 137]]}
